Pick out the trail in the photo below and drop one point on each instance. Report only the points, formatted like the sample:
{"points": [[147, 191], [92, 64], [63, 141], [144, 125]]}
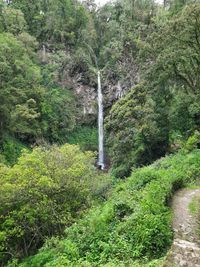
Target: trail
{"points": [[185, 251]]}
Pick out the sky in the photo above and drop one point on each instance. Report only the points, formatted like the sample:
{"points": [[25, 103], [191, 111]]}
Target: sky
{"points": [[102, 2]]}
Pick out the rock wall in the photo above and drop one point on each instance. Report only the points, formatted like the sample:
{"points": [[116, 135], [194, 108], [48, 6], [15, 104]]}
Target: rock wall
{"points": [[85, 86]]}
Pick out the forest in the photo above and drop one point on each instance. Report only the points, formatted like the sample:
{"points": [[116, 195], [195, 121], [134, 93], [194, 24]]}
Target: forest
{"points": [[57, 206]]}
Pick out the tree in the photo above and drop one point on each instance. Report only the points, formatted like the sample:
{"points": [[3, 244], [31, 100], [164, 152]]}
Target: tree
{"points": [[19, 84], [174, 68], [44, 192], [58, 22], [133, 135], [12, 20], [58, 114]]}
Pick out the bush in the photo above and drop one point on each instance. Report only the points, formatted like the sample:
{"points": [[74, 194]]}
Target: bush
{"points": [[134, 223], [2, 159], [192, 142], [195, 211], [12, 149], [85, 137], [58, 114], [134, 137], [44, 192]]}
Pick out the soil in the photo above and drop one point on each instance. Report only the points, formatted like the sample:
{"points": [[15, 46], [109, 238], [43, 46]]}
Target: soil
{"points": [[185, 251]]}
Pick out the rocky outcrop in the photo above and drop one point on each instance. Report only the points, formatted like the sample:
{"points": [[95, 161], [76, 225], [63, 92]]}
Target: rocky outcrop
{"points": [[84, 85]]}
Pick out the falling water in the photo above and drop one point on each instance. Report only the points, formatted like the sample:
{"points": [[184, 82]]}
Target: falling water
{"points": [[100, 124], [44, 59]]}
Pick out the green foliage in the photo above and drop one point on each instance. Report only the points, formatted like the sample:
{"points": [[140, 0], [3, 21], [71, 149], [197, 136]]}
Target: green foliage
{"points": [[58, 22], [195, 211], [11, 149], [192, 142], [141, 125], [179, 61], [58, 114], [32, 104], [132, 42], [133, 132], [29, 111], [45, 191], [20, 92], [194, 206], [12, 20], [177, 5], [173, 77], [2, 159], [85, 137], [134, 223]]}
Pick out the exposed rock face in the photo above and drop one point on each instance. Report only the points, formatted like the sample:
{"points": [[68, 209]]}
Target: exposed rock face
{"points": [[117, 87], [85, 85], [87, 96]]}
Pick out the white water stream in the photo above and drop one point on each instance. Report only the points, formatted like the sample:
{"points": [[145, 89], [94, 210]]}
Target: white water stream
{"points": [[100, 124]]}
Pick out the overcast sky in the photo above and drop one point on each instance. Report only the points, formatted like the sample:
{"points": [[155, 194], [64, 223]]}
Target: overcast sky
{"points": [[102, 2]]}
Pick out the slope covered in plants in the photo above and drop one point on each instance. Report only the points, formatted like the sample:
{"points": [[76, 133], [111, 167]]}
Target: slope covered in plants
{"points": [[135, 222], [148, 55], [48, 189]]}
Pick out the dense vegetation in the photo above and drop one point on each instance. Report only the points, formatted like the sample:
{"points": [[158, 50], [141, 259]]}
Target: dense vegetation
{"points": [[129, 40], [41, 194], [34, 105], [149, 58], [134, 222], [165, 106]]}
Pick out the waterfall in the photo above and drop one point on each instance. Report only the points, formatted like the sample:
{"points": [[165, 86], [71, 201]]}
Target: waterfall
{"points": [[44, 54], [100, 124]]}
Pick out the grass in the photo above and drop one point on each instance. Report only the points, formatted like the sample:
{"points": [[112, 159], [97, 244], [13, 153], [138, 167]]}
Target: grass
{"points": [[194, 206]]}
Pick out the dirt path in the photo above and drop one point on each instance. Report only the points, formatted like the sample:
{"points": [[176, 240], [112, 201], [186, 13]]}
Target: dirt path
{"points": [[185, 251]]}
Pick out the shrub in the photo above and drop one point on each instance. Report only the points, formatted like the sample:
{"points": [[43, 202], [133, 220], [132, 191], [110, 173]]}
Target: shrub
{"points": [[192, 141], [2, 159], [85, 137], [134, 223], [12, 149], [134, 137], [43, 193]]}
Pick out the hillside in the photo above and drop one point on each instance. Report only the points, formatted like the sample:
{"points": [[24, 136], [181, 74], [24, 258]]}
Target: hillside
{"points": [[99, 130], [135, 222]]}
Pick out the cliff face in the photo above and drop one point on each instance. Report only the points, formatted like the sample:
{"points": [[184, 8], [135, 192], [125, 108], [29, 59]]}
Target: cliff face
{"points": [[67, 73]]}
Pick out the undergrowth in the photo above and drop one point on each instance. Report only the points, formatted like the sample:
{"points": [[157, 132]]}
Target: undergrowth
{"points": [[135, 223], [194, 208]]}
